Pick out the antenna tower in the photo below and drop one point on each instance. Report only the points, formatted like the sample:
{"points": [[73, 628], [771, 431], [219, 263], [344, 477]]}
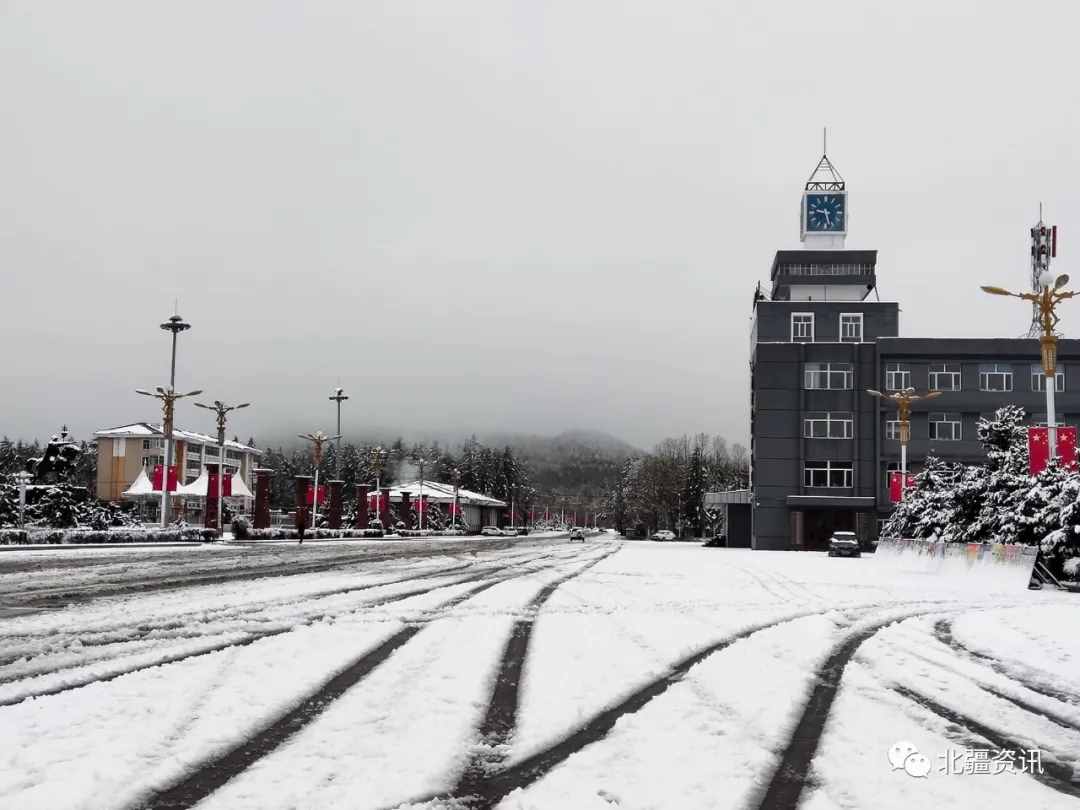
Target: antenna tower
{"points": [[1043, 249]]}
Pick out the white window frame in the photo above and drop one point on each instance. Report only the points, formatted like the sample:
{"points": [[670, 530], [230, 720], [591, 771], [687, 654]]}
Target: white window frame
{"points": [[826, 374], [938, 371], [802, 338], [845, 470], [954, 421], [1038, 379], [828, 422], [892, 430], [894, 370], [988, 370], [152, 461], [853, 317]]}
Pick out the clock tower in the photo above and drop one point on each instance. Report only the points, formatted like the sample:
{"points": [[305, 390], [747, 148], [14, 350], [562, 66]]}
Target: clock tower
{"points": [[823, 214]]}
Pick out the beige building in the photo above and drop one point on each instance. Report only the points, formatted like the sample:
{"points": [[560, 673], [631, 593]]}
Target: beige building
{"points": [[122, 452]]}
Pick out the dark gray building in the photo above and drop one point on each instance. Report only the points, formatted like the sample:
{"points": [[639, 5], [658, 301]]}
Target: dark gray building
{"points": [[821, 447]]}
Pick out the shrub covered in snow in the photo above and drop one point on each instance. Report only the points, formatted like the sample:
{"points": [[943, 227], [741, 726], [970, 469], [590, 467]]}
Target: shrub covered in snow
{"points": [[995, 502], [34, 536], [317, 534]]}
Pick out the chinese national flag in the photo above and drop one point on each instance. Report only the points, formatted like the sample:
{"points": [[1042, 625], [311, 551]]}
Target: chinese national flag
{"points": [[1066, 447], [322, 494], [155, 478], [212, 486], [1039, 448], [894, 485]]}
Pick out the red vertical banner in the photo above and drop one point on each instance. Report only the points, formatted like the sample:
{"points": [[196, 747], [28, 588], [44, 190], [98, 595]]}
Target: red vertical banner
{"points": [[155, 478], [1066, 447], [1038, 449], [894, 485], [212, 486], [310, 494]]}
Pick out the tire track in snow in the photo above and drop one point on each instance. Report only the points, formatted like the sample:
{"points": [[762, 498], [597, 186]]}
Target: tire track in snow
{"points": [[89, 679], [943, 633], [50, 598], [500, 720], [1056, 775], [522, 774], [791, 774], [216, 772]]}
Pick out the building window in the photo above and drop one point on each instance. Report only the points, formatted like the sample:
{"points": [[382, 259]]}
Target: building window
{"points": [[827, 377], [831, 474], [153, 444], [1038, 379], [944, 376], [892, 430], [945, 427], [802, 327], [828, 425], [851, 327], [897, 377], [995, 377], [119, 448], [153, 461]]}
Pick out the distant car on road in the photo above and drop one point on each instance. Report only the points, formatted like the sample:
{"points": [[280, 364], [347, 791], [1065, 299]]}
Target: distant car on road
{"points": [[577, 534], [523, 530], [844, 544], [663, 535], [491, 531]]}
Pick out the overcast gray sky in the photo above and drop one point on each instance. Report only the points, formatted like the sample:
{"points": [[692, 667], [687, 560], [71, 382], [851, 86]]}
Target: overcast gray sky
{"points": [[496, 215]]}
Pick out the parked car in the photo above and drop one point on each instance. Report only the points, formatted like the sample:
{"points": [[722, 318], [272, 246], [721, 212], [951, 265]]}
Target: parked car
{"points": [[491, 531], [844, 544], [523, 530], [663, 535], [577, 534]]}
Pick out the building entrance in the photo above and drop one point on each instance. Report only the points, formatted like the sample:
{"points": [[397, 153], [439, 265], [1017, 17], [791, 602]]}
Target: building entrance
{"points": [[819, 524]]}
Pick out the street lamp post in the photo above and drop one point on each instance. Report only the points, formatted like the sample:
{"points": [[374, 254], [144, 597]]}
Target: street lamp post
{"points": [[175, 325], [317, 439], [221, 409], [378, 460], [1046, 300], [338, 396], [23, 478], [168, 406], [456, 518], [903, 400]]}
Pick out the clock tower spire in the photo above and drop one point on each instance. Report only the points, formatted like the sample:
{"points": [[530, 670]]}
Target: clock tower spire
{"points": [[823, 213]]}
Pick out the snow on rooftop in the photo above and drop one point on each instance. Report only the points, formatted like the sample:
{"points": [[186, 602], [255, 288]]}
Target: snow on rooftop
{"points": [[147, 430]]}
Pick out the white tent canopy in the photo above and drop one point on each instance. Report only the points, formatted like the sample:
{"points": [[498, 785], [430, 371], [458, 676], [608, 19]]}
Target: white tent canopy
{"points": [[141, 487], [198, 487], [437, 492]]}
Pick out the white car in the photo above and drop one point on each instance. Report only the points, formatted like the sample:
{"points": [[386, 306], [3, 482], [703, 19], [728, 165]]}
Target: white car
{"points": [[664, 534], [491, 531]]}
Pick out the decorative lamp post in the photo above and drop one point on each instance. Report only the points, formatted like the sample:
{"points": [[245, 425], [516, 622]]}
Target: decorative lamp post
{"points": [[456, 519], [317, 439], [221, 409], [421, 459], [378, 461], [903, 400], [1046, 300], [168, 406], [23, 478], [175, 325], [338, 396]]}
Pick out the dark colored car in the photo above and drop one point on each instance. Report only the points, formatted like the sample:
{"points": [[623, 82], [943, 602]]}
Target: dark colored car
{"points": [[844, 544], [577, 534]]}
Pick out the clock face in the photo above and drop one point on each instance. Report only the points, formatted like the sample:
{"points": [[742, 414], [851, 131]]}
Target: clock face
{"points": [[825, 212]]}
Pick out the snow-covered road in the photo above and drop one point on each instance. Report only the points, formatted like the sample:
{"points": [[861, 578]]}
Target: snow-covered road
{"points": [[526, 673]]}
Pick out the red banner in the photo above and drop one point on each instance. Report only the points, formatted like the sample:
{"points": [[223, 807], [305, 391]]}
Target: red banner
{"points": [[322, 494], [212, 486], [155, 478], [1039, 448], [894, 485]]}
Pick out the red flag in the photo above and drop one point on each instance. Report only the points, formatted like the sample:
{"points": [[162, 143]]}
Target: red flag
{"points": [[155, 478], [894, 485], [1039, 449], [1066, 447], [322, 494]]}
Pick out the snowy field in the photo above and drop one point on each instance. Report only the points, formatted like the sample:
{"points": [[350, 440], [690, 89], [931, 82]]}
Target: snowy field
{"points": [[527, 674]]}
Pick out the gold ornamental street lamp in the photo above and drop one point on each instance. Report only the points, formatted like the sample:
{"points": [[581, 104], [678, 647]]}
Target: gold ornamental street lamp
{"points": [[221, 409], [1046, 300], [168, 399], [317, 439], [903, 399]]}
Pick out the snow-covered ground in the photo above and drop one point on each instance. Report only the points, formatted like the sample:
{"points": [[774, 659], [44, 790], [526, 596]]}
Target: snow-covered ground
{"points": [[538, 674]]}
